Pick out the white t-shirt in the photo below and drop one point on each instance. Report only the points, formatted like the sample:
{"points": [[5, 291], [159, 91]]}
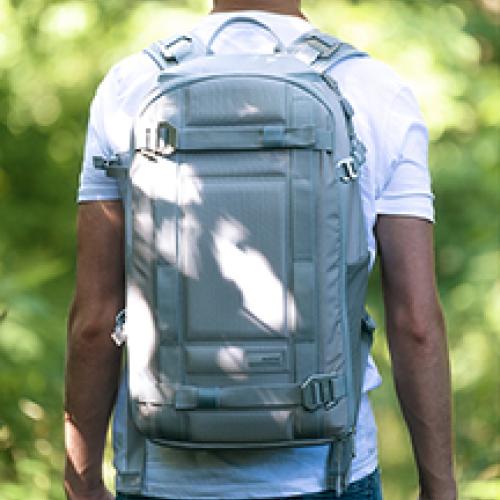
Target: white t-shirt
{"points": [[395, 180]]}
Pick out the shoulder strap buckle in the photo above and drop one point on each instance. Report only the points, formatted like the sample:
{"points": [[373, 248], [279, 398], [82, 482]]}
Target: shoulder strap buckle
{"points": [[348, 166], [175, 50], [322, 51], [325, 46], [171, 51]]}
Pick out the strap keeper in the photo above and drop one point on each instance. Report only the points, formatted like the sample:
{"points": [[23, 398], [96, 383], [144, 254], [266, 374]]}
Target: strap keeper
{"points": [[197, 398], [273, 136]]}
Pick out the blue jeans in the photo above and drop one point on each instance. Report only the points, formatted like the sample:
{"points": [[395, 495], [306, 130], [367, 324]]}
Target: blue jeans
{"points": [[368, 488]]}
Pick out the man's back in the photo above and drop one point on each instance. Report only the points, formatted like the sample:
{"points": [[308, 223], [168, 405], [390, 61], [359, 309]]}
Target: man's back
{"points": [[388, 122]]}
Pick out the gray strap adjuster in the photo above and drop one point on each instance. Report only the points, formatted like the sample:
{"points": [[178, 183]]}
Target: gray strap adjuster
{"points": [[103, 163], [164, 53], [325, 47], [177, 49], [166, 138], [322, 391], [115, 166]]}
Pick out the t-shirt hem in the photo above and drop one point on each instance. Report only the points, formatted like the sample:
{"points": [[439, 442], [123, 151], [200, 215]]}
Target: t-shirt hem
{"points": [[366, 468], [111, 196], [252, 491], [388, 208]]}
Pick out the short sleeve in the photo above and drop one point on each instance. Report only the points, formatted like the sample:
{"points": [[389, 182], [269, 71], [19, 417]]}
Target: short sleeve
{"points": [[406, 189], [95, 184]]}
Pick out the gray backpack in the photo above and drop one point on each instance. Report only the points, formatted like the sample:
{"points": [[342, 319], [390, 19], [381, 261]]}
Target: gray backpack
{"points": [[246, 254]]}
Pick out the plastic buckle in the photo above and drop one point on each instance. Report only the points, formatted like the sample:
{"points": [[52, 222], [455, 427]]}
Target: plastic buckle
{"points": [[170, 54], [105, 163], [325, 49], [368, 324], [166, 139], [348, 165], [319, 391]]}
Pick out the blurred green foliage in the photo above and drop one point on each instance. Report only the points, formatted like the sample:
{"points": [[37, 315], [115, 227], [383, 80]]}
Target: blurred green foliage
{"points": [[52, 56]]}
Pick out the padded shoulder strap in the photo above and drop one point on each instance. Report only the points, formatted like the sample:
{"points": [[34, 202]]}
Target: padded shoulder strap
{"points": [[323, 51]]}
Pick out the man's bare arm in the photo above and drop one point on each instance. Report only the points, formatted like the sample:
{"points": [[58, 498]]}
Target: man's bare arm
{"points": [[418, 347], [93, 361]]}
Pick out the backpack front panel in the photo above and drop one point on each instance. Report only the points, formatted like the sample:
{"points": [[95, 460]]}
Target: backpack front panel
{"points": [[237, 277]]}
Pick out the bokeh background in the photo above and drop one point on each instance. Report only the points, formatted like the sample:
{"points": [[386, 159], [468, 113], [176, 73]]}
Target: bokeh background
{"points": [[52, 56]]}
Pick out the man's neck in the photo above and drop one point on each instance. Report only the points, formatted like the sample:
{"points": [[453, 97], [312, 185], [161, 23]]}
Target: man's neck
{"points": [[286, 7]]}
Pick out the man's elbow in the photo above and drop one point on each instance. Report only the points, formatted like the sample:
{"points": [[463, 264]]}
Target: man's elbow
{"points": [[91, 325], [422, 328]]}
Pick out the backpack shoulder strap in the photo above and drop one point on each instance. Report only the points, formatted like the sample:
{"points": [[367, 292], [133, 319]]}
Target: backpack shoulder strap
{"points": [[174, 50], [323, 51]]}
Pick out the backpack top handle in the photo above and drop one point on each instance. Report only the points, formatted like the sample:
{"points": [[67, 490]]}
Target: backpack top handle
{"points": [[279, 47]]}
